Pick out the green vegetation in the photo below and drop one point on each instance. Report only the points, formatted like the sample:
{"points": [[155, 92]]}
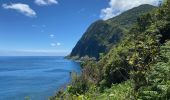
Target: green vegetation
{"points": [[135, 68], [102, 35]]}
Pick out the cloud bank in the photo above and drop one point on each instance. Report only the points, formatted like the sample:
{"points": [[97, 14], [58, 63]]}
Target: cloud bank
{"points": [[22, 8], [46, 2], [34, 52], [118, 6]]}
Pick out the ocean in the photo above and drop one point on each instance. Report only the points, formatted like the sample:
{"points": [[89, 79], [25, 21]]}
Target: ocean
{"points": [[37, 78]]}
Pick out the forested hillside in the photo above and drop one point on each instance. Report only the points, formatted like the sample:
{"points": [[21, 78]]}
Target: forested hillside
{"points": [[102, 35], [136, 68]]}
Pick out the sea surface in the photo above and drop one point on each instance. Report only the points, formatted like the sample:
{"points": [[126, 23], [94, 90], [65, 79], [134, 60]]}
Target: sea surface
{"points": [[34, 77]]}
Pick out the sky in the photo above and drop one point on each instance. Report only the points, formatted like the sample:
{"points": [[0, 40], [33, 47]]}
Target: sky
{"points": [[52, 27]]}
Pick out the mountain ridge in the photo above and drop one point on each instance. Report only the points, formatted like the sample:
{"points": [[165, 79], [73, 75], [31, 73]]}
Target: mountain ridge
{"points": [[102, 35]]}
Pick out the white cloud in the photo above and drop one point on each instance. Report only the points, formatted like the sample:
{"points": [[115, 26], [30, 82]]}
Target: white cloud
{"points": [[118, 6], [51, 35], [46, 2], [22, 8], [58, 44], [41, 52], [55, 44]]}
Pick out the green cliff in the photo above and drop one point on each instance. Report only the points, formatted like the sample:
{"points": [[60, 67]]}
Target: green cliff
{"points": [[135, 68], [102, 35]]}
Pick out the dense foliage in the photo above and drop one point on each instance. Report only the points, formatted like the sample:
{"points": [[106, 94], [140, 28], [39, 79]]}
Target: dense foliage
{"points": [[102, 35], [137, 67]]}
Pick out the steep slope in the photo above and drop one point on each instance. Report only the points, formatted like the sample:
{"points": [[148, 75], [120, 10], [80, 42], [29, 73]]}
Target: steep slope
{"points": [[102, 35], [136, 68]]}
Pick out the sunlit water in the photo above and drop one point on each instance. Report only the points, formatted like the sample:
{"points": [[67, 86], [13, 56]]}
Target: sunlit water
{"points": [[34, 77]]}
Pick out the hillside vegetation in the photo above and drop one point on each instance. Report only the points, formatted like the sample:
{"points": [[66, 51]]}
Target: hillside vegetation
{"points": [[135, 68], [102, 35]]}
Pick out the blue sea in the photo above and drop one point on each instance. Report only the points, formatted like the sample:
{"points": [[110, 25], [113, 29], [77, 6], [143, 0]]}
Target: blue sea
{"points": [[34, 77]]}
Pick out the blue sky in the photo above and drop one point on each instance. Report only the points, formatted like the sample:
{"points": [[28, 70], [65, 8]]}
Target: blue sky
{"points": [[52, 27]]}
